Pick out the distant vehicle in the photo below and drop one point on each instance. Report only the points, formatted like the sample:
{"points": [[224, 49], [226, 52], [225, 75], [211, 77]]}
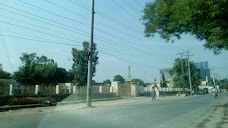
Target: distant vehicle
{"points": [[210, 88]]}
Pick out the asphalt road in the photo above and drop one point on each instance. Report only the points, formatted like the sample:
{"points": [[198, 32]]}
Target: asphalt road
{"points": [[169, 113]]}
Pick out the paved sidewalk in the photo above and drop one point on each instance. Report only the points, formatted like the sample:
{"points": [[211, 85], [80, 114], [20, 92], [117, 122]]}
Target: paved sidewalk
{"points": [[13, 114]]}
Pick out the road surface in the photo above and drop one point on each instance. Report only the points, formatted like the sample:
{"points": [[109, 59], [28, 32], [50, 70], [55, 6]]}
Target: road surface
{"points": [[186, 112]]}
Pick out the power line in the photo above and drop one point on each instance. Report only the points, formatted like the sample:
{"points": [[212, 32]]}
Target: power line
{"points": [[55, 42], [69, 19], [74, 31], [13, 19], [41, 20], [127, 53], [65, 9], [101, 24], [138, 3], [60, 23], [127, 61], [88, 18], [82, 4], [123, 8], [37, 40], [129, 5], [107, 17], [56, 14], [36, 31]]}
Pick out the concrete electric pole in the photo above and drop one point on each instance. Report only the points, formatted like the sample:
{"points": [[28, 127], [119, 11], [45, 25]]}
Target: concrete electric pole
{"points": [[90, 59], [189, 73]]}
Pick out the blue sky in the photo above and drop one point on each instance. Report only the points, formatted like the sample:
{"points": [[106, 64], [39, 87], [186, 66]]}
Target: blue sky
{"points": [[32, 26]]}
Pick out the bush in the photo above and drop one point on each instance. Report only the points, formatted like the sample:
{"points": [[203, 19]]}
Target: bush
{"points": [[22, 101], [4, 100], [29, 100]]}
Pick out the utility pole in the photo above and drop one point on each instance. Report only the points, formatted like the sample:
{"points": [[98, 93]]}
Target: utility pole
{"points": [[145, 76], [189, 73], [90, 59], [129, 73]]}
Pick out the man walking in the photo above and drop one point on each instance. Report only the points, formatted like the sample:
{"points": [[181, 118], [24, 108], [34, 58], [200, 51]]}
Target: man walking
{"points": [[157, 93], [153, 94]]}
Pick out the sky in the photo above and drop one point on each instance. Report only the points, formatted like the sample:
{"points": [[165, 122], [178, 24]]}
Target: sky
{"points": [[52, 28]]}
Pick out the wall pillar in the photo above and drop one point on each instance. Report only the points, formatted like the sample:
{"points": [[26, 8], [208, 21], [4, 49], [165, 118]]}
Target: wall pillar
{"points": [[74, 89], [115, 86], [100, 89], [36, 89], [57, 89], [11, 90]]}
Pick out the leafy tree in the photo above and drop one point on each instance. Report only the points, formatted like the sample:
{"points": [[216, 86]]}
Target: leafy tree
{"points": [[223, 83], [163, 82], [139, 81], [146, 84], [207, 20], [107, 81], [4, 74], [182, 80], [119, 78], [39, 70], [80, 65]]}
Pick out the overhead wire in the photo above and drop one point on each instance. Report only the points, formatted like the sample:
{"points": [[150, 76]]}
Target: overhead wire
{"points": [[37, 40], [67, 44], [36, 31], [100, 38], [105, 16], [59, 32], [127, 61], [115, 21], [129, 5], [123, 8], [56, 14], [64, 25], [138, 3], [88, 18], [110, 34], [69, 28], [47, 40]]}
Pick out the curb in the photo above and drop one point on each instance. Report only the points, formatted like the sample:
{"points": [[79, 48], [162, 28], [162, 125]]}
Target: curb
{"points": [[16, 107], [83, 101]]}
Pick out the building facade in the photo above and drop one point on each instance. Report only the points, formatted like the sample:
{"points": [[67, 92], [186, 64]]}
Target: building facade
{"points": [[203, 70]]}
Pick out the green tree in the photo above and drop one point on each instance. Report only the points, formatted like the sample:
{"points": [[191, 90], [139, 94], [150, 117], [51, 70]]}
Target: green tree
{"points": [[223, 83], [182, 80], [80, 63], [163, 82], [107, 81], [207, 20], [4, 74], [119, 78], [39, 70], [139, 81]]}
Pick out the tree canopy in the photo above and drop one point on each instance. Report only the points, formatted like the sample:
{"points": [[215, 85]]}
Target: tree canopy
{"points": [[119, 78], [163, 82], [182, 80], [4, 74], [206, 20], [39, 70], [107, 81], [80, 63], [139, 81]]}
